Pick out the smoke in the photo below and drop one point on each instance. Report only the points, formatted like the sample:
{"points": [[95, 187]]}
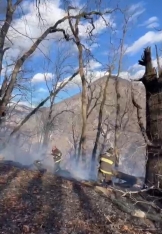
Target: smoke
{"points": [[26, 156], [82, 170], [71, 168], [18, 152]]}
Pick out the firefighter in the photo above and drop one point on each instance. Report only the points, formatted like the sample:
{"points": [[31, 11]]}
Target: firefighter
{"points": [[56, 153], [107, 160], [108, 171]]}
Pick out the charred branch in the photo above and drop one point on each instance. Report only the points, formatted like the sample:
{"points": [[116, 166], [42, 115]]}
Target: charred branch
{"points": [[146, 57], [146, 61]]}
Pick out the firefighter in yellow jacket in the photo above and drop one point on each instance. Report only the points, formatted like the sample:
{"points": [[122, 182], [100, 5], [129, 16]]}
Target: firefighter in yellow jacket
{"points": [[106, 162], [108, 171], [57, 157]]}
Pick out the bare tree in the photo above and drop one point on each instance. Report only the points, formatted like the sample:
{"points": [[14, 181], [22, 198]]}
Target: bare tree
{"points": [[61, 68], [100, 117], [74, 26], [60, 87], [8, 88], [112, 57], [119, 123], [75, 134], [11, 8], [94, 93], [75, 31], [8, 85], [127, 19]]}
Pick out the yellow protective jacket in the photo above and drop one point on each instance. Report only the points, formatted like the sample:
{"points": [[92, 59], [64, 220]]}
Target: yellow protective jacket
{"points": [[107, 163]]}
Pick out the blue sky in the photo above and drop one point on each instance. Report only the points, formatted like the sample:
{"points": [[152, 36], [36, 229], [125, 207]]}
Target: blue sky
{"points": [[142, 31]]}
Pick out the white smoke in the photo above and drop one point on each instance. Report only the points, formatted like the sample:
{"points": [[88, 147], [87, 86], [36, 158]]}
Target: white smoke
{"points": [[70, 167]]}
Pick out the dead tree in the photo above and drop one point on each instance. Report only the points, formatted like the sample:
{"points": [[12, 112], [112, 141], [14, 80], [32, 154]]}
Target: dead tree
{"points": [[153, 87]]}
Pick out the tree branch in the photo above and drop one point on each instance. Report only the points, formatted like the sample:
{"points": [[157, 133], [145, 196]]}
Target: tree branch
{"points": [[42, 103]]}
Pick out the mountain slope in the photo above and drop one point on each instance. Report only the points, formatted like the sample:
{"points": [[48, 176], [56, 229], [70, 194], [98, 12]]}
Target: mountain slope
{"points": [[131, 144]]}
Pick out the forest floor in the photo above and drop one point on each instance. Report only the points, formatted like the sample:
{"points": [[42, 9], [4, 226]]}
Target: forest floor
{"points": [[41, 203]]}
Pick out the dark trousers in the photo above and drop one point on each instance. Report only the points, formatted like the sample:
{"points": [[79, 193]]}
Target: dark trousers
{"points": [[56, 167], [104, 177]]}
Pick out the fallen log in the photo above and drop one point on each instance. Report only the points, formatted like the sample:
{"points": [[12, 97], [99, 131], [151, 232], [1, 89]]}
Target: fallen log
{"points": [[131, 209]]}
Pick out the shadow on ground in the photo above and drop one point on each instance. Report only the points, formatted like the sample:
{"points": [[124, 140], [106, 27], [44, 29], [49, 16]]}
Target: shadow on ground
{"points": [[41, 203]]}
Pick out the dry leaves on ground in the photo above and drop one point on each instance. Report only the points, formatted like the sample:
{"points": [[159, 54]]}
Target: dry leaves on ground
{"points": [[40, 203]]}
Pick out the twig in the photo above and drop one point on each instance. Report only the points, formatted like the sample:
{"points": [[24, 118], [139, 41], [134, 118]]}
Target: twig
{"points": [[132, 192]]}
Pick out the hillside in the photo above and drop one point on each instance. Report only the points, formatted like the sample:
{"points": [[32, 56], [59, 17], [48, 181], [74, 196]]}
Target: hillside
{"points": [[35, 202], [130, 144]]}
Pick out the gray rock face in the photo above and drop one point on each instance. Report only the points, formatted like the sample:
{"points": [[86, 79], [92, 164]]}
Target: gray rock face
{"points": [[130, 144]]}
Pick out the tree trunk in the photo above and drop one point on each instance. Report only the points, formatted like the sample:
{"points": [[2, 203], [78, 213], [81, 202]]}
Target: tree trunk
{"points": [[153, 120], [100, 119], [46, 135], [48, 123], [117, 117], [4, 30], [82, 143], [154, 167], [19, 63]]}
